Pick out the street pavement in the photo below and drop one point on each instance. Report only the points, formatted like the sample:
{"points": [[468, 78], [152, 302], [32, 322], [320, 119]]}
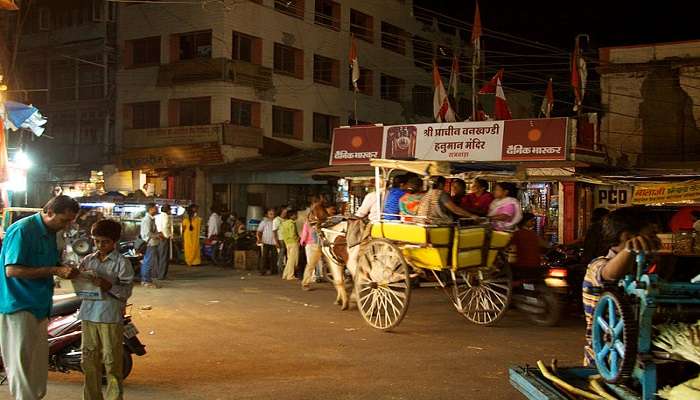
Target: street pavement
{"points": [[214, 333]]}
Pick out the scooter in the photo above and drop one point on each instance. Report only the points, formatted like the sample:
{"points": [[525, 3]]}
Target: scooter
{"points": [[532, 295], [65, 334]]}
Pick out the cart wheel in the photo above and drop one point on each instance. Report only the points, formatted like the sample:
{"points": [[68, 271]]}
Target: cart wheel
{"points": [[484, 294], [383, 284], [614, 338]]}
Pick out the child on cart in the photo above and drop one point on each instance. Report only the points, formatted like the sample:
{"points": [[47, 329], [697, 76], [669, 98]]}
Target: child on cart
{"points": [[628, 231]]}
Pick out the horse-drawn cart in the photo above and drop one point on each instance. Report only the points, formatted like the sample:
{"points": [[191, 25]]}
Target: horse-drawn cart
{"points": [[467, 259]]}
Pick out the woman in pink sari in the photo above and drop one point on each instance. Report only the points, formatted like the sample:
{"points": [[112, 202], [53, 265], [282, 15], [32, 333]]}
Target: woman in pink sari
{"points": [[505, 211]]}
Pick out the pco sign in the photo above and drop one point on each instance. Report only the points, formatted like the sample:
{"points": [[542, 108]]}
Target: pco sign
{"points": [[613, 197]]}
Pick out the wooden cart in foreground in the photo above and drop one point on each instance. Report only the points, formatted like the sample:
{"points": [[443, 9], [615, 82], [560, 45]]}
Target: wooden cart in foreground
{"points": [[467, 260]]}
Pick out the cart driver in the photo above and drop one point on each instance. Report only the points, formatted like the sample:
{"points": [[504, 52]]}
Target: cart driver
{"points": [[628, 230], [436, 206]]}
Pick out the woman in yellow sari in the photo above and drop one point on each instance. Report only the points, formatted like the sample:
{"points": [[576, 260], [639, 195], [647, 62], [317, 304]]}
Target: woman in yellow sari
{"points": [[191, 227]]}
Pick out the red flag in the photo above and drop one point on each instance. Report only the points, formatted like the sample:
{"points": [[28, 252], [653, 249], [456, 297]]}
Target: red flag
{"points": [[476, 36], [547, 100], [579, 75], [354, 64], [501, 110], [441, 105], [490, 86], [454, 77]]}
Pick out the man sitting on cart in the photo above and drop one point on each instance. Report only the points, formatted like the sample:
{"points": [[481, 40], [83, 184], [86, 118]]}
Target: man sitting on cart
{"points": [[628, 230], [436, 206]]}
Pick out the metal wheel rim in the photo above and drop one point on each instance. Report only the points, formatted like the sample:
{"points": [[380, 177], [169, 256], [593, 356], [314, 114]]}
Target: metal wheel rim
{"points": [[484, 295], [611, 340], [383, 285]]}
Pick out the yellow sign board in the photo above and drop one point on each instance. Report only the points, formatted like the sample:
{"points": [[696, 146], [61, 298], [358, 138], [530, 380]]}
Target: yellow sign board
{"points": [[676, 192]]}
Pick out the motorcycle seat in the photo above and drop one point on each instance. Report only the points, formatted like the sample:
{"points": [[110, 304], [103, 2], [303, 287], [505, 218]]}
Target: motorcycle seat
{"points": [[66, 306]]}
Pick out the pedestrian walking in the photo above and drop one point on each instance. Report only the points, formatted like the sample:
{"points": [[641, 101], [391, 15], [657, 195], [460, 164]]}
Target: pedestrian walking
{"points": [[164, 224], [317, 215], [214, 223], [30, 259], [150, 235], [267, 238], [282, 249], [191, 228], [290, 240], [102, 319]]}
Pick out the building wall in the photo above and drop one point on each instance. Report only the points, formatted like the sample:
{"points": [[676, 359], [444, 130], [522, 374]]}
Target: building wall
{"points": [[651, 96], [263, 21]]}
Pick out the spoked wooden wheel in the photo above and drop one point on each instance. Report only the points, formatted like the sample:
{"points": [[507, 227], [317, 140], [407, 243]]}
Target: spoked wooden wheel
{"points": [[383, 284], [484, 294]]}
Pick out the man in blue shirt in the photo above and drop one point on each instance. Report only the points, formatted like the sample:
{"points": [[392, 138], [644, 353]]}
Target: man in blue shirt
{"points": [[391, 204], [30, 259]]}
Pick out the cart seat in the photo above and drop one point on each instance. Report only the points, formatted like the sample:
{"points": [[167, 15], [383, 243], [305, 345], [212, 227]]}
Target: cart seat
{"points": [[412, 233], [469, 247]]}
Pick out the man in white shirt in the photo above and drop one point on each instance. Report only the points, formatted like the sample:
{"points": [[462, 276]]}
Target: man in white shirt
{"points": [[164, 224], [214, 224], [370, 207], [267, 238], [149, 234]]}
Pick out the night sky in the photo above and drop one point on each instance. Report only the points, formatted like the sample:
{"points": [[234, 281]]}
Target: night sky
{"points": [[610, 23]]}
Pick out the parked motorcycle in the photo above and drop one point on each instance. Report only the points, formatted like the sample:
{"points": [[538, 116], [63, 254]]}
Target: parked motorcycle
{"points": [[65, 334], [130, 250]]}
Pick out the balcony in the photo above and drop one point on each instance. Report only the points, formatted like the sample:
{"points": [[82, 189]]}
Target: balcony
{"points": [[243, 136], [192, 135], [215, 69]]}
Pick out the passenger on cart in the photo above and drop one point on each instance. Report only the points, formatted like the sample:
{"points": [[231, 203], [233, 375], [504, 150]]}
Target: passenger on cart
{"points": [[393, 195], [478, 200], [436, 206], [627, 231], [410, 201], [505, 211]]}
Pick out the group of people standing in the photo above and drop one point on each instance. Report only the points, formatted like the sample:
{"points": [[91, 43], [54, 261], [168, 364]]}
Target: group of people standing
{"points": [[284, 231], [157, 233], [30, 259]]}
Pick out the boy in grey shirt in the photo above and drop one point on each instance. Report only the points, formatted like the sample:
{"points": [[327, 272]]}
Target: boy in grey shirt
{"points": [[102, 320]]}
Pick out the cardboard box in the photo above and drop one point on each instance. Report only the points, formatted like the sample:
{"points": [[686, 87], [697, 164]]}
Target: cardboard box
{"points": [[246, 259]]}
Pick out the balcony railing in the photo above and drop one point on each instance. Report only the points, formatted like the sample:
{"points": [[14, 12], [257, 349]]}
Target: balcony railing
{"points": [[215, 69], [191, 135]]}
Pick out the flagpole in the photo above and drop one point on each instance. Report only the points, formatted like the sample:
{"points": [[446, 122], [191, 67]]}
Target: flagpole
{"points": [[473, 91], [354, 101]]}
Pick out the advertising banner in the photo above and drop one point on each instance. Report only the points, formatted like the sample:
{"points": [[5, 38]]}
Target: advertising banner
{"points": [[356, 145], [534, 139], [452, 141], [171, 156], [542, 139], [666, 192]]}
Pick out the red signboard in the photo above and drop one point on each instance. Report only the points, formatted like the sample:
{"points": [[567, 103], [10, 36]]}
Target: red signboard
{"points": [[535, 139], [356, 145]]}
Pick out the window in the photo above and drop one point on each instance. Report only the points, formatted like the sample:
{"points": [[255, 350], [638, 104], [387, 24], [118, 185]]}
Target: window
{"points": [[92, 123], [364, 84], [288, 60], [245, 113], [44, 19], [90, 79], [286, 123], [391, 88], [323, 127], [362, 25], [62, 81], [326, 70], [422, 53], [195, 111], [393, 38], [246, 48], [194, 45], [143, 115], [328, 14], [423, 100], [294, 8], [143, 52]]}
